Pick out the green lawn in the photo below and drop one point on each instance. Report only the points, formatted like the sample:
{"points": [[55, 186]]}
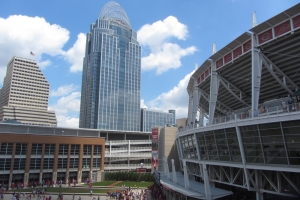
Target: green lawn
{"points": [[104, 183], [137, 184]]}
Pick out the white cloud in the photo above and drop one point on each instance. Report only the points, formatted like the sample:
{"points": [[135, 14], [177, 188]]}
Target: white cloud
{"points": [[168, 57], [65, 107], [176, 99], [66, 121], [143, 104], [63, 90], [163, 54], [44, 64], [75, 54], [20, 35]]}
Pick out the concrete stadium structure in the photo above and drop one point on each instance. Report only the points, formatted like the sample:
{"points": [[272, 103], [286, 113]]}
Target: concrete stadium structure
{"points": [[248, 92]]}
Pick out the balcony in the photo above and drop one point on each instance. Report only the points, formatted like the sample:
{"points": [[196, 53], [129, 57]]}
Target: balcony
{"points": [[125, 166], [246, 114]]}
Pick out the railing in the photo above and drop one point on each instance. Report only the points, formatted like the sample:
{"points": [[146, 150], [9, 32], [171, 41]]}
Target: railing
{"points": [[125, 166], [126, 153], [126, 141], [126, 149], [247, 114]]}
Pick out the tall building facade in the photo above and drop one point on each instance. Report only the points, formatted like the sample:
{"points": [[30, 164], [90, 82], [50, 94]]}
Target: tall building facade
{"points": [[155, 118], [25, 93], [110, 94]]}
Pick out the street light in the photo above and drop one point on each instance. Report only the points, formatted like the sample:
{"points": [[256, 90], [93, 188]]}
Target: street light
{"points": [[142, 165]]}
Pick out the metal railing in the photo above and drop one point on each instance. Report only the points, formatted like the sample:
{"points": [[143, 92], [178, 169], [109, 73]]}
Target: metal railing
{"points": [[125, 166], [126, 153], [248, 114], [126, 141], [126, 149]]}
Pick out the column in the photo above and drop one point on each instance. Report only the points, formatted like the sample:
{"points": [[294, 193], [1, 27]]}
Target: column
{"points": [[195, 101], [185, 175], [91, 164], [68, 164], [102, 156], [256, 74], [206, 182], [42, 163], [55, 163], [79, 173], [173, 171], [214, 89], [27, 164], [12, 164], [258, 180], [190, 110]]}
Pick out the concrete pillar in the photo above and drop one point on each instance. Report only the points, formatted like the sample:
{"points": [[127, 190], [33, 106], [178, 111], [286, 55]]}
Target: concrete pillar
{"points": [[12, 164], [214, 90], [206, 183], [41, 177], [174, 171], [79, 173], [258, 180], [27, 164], [256, 74], [185, 175], [55, 163], [54, 177]]}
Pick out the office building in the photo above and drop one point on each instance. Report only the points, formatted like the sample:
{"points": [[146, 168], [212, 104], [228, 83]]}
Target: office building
{"points": [[155, 118], [111, 78], [24, 95], [35, 153], [248, 93]]}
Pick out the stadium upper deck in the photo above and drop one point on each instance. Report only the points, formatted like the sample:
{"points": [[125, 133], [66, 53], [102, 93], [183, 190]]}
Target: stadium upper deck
{"points": [[260, 65]]}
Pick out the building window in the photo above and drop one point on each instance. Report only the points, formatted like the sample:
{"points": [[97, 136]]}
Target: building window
{"points": [[35, 163], [21, 149], [49, 149], [36, 149], [6, 148], [63, 149]]}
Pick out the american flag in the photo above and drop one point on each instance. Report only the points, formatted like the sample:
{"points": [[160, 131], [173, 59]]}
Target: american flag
{"points": [[32, 53]]}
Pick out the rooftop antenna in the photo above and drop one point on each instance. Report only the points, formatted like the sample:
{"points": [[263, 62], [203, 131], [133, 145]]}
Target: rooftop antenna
{"points": [[254, 19], [214, 49], [196, 66]]}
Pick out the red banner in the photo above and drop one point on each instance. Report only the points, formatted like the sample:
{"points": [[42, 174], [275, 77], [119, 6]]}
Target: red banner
{"points": [[219, 63], [154, 139], [296, 21], [154, 147], [265, 36], [247, 46], [228, 58], [198, 80], [282, 28], [237, 52]]}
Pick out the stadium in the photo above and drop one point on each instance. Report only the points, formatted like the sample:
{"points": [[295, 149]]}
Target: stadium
{"points": [[242, 132]]}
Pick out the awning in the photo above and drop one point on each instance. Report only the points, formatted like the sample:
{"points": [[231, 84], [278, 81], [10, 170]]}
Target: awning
{"points": [[196, 189]]}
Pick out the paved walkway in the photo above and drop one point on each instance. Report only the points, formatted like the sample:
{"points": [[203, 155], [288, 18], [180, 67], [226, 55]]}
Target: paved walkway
{"points": [[70, 197]]}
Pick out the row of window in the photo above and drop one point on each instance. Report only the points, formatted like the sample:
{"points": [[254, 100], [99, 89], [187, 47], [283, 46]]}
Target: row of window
{"points": [[273, 143]]}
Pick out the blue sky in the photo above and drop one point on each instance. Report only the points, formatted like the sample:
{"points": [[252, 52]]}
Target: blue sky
{"points": [[174, 34]]}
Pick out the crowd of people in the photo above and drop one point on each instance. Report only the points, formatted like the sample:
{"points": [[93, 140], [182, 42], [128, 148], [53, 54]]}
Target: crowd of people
{"points": [[128, 193]]}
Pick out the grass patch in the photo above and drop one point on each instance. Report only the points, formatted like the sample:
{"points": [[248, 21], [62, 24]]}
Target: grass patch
{"points": [[104, 183], [133, 184]]}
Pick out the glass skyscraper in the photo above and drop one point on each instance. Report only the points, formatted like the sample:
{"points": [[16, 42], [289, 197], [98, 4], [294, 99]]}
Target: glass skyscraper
{"points": [[111, 77], [156, 118]]}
